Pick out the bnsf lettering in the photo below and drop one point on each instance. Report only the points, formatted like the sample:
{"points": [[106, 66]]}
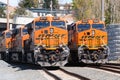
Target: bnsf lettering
{"points": [[91, 37], [37, 38], [52, 35]]}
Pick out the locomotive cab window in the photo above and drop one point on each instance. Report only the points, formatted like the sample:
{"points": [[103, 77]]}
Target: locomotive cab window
{"points": [[41, 24], [8, 35], [15, 32], [82, 27], [25, 31], [60, 24], [98, 26]]}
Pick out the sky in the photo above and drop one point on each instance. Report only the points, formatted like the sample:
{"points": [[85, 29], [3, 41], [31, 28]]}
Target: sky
{"points": [[11, 2], [15, 2], [65, 1]]}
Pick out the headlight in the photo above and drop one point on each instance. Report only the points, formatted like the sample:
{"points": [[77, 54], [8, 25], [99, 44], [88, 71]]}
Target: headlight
{"points": [[64, 48], [44, 45], [36, 51], [60, 45]]}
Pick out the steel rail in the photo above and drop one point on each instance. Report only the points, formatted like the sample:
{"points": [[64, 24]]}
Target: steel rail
{"points": [[74, 75], [51, 74], [110, 68]]}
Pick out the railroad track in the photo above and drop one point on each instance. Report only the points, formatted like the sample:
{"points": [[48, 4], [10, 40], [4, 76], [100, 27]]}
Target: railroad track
{"points": [[62, 74], [53, 73], [115, 64], [115, 68]]}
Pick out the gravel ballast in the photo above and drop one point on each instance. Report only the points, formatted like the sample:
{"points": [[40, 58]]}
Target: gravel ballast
{"points": [[23, 72], [93, 74], [10, 72]]}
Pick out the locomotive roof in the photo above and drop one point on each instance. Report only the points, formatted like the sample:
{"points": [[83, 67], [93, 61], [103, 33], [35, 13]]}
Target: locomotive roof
{"points": [[90, 21], [49, 18]]}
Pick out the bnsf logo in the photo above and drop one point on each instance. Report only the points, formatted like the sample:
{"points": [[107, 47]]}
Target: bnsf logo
{"points": [[47, 36]]}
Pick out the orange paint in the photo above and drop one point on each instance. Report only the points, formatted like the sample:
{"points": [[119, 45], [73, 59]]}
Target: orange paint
{"points": [[92, 37], [50, 36]]}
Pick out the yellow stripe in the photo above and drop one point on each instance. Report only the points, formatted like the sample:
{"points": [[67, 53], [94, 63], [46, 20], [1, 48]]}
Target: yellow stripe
{"points": [[50, 48]]}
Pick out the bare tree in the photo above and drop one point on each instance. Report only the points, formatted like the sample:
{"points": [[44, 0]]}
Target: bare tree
{"points": [[92, 9]]}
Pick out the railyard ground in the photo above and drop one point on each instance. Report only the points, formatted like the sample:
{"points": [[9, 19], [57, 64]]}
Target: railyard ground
{"points": [[27, 72]]}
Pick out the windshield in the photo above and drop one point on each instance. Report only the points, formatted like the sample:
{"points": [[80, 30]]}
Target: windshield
{"points": [[41, 24], [98, 26], [25, 31], [8, 35], [82, 27], [60, 24]]}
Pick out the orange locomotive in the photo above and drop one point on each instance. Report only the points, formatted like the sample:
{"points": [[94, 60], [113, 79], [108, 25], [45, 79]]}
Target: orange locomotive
{"points": [[88, 38], [5, 39], [17, 51], [13, 42], [49, 40]]}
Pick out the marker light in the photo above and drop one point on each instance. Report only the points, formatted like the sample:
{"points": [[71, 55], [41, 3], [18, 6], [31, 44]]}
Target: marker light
{"points": [[43, 18], [84, 21], [95, 20]]}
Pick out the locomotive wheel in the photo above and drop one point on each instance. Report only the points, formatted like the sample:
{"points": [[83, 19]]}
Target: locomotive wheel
{"points": [[7, 57], [30, 58], [16, 56], [1, 55]]}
